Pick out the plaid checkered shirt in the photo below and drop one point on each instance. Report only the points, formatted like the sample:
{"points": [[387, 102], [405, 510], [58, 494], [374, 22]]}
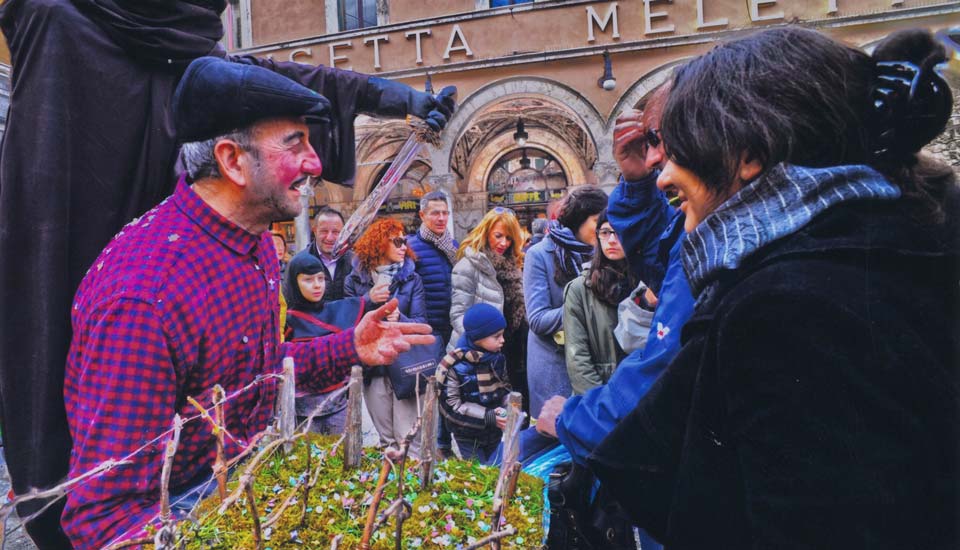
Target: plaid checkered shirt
{"points": [[180, 300]]}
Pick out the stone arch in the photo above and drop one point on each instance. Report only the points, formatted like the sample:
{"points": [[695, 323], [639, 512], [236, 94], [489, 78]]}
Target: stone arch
{"points": [[588, 115], [641, 88]]}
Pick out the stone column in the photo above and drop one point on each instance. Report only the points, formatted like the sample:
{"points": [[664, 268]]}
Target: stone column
{"points": [[607, 173], [302, 222]]}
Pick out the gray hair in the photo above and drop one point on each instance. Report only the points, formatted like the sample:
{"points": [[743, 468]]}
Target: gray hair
{"points": [[198, 158], [538, 225], [433, 196]]}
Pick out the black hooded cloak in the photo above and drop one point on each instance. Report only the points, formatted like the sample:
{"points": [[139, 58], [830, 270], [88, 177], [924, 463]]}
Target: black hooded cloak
{"points": [[89, 145]]}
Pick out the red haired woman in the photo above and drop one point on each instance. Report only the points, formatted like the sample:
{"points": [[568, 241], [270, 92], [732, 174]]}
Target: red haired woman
{"points": [[383, 268]]}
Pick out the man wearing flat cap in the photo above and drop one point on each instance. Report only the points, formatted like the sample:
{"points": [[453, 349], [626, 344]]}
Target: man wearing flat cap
{"points": [[187, 297], [88, 146]]}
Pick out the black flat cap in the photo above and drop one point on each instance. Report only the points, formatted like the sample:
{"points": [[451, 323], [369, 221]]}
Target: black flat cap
{"points": [[215, 97]]}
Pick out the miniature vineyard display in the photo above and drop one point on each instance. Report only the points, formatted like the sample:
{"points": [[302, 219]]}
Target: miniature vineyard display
{"points": [[301, 490]]}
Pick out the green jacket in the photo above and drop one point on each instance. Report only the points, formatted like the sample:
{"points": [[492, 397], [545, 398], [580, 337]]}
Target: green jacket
{"points": [[592, 351]]}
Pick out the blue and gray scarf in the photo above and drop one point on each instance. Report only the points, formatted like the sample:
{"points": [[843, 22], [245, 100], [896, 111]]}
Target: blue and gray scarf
{"points": [[773, 206], [571, 253]]}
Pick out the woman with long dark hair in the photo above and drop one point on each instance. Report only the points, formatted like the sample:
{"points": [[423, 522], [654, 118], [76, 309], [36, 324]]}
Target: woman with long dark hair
{"points": [[549, 266], [815, 402], [590, 312]]}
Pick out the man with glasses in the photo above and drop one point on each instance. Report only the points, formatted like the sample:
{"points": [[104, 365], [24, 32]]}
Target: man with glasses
{"points": [[436, 252], [650, 230], [327, 225]]}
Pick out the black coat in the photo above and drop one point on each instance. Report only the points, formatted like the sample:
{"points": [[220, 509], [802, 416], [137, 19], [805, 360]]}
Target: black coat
{"points": [[815, 401], [88, 146]]}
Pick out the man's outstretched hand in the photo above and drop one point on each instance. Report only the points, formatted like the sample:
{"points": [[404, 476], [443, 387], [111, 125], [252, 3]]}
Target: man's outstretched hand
{"points": [[379, 341]]}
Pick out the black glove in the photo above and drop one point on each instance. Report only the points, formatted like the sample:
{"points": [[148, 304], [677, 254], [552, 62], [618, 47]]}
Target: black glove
{"points": [[435, 110], [398, 99]]}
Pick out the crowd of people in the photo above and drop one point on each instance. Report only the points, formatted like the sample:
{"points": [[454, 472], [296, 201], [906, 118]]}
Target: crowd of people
{"points": [[751, 342]]}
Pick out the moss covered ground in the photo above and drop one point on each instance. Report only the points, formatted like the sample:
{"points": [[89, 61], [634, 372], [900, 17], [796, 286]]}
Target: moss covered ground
{"points": [[453, 513]]}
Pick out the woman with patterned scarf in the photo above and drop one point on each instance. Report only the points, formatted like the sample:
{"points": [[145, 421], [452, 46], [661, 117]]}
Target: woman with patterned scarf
{"points": [[383, 268], [550, 265], [815, 401], [488, 271]]}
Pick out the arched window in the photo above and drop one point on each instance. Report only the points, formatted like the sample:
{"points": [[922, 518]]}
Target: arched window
{"points": [[526, 180]]}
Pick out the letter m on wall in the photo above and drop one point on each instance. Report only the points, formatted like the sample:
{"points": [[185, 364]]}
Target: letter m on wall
{"points": [[593, 18]]}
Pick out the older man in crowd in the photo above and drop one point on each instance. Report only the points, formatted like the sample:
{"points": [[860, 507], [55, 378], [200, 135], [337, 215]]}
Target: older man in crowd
{"points": [[187, 297], [327, 226]]}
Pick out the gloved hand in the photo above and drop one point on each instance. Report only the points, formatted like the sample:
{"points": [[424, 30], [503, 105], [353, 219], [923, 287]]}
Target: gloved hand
{"points": [[435, 110], [398, 99]]}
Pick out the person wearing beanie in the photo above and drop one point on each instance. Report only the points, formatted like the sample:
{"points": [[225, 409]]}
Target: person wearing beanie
{"points": [[473, 384]]}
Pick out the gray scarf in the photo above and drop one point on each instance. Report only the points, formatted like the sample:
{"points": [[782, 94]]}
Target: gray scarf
{"points": [[389, 270], [773, 206], [444, 243]]}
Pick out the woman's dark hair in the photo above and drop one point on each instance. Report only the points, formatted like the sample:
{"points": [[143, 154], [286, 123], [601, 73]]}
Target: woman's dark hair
{"points": [[584, 201], [307, 264], [794, 95], [610, 280]]}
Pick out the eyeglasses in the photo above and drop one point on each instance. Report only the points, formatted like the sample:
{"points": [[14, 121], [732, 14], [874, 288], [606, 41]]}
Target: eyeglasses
{"points": [[652, 135], [606, 233], [399, 242], [504, 210]]}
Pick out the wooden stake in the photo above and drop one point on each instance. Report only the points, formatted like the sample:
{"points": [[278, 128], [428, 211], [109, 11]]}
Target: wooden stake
{"points": [[252, 504], [428, 440], [499, 502], [511, 439], [168, 455], [353, 431], [220, 466], [287, 404], [375, 503]]}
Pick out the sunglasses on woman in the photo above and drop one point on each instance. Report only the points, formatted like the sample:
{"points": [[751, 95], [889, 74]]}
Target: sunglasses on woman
{"points": [[399, 242]]}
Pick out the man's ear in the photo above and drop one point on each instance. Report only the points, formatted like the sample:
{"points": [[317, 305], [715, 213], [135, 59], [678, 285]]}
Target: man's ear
{"points": [[230, 160], [750, 168]]}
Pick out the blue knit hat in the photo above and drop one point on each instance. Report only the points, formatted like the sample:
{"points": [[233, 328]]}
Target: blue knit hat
{"points": [[482, 320]]}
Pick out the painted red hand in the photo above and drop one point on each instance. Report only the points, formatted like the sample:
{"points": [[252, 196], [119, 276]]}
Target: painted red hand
{"points": [[379, 341]]}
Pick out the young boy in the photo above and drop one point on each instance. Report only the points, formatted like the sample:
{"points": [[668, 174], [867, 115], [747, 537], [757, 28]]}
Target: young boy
{"points": [[473, 384]]}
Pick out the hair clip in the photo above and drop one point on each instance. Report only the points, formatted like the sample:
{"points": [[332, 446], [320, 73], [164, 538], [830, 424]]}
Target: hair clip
{"points": [[907, 102]]}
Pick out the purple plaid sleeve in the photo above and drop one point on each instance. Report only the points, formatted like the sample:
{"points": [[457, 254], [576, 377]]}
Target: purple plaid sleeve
{"points": [[181, 300], [123, 355]]}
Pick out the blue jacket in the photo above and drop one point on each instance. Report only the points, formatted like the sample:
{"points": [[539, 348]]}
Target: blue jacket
{"points": [[434, 269], [546, 364], [648, 227]]}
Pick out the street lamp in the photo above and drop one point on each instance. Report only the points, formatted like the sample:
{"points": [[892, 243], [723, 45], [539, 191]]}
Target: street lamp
{"points": [[520, 136], [524, 159], [607, 82]]}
